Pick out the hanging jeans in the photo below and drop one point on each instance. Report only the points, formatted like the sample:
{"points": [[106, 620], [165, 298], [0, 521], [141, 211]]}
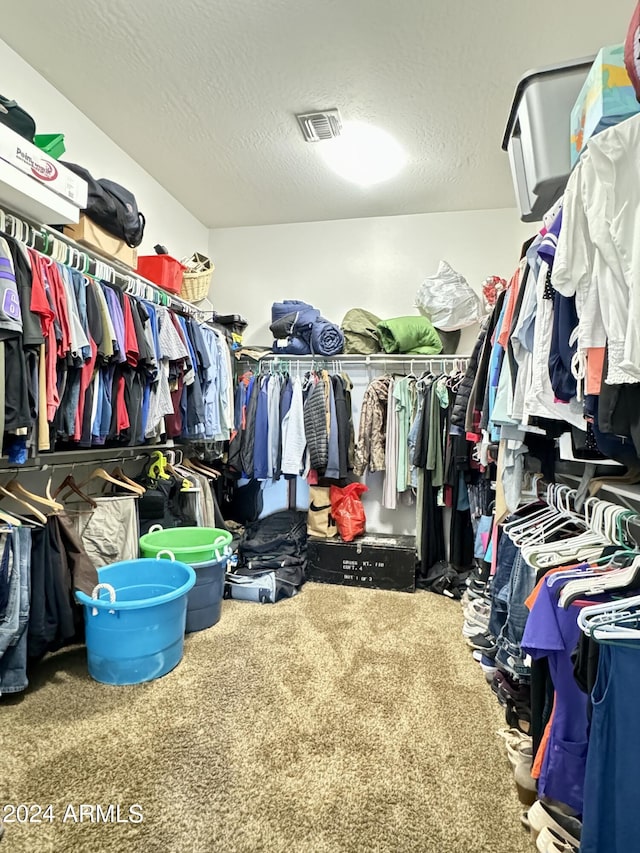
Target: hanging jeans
{"points": [[521, 584], [507, 553], [13, 663]]}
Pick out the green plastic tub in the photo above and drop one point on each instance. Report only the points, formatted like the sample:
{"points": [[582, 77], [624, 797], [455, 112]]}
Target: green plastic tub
{"points": [[189, 545], [51, 143]]}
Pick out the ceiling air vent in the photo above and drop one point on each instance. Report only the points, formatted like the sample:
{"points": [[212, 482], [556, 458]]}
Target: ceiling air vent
{"points": [[318, 126]]}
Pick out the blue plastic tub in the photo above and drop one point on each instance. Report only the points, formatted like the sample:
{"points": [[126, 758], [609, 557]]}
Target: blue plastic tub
{"points": [[205, 599], [135, 622]]}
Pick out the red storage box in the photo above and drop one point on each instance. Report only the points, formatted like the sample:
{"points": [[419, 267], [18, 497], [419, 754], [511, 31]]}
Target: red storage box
{"points": [[163, 270]]}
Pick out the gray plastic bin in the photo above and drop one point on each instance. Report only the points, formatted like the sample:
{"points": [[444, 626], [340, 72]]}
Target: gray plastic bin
{"points": [[537, 137], [204, 603]]}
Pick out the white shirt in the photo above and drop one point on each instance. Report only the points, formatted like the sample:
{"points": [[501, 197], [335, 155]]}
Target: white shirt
{"points": [[599, 248]]}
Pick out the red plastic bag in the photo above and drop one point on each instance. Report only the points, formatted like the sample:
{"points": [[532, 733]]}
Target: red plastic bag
{"points": [[348, 511]]}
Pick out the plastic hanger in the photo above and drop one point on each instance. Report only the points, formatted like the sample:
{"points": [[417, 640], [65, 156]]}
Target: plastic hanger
{"points": [[157, 467], [606, 621]]}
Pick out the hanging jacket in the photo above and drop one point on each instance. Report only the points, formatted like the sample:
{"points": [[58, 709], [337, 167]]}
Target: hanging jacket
{"points": [[315, 426], [249, 433], [480, 381], [459, 413], [372, 431]]}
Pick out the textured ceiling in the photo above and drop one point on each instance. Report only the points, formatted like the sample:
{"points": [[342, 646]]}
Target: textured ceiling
{"points": [[202, 92]]}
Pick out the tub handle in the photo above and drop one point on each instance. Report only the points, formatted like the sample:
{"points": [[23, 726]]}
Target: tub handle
{"points": [[172, 556], [155, 527], [219, 540], [96, 592]]}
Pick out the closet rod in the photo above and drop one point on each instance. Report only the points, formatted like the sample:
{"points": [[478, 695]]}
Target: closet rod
{"points": [[68, 458], [374, 358], [113, 271]]}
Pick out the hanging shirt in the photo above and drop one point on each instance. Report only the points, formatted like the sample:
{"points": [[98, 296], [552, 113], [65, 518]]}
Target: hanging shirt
{"points": [[553, 632], [10, 313]]}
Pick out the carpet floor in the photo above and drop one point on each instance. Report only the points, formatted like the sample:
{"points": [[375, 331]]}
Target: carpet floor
{"points": [[343, 720]]}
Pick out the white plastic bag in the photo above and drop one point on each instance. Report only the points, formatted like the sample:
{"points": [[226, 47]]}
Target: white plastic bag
{"points": [[448, 301]]}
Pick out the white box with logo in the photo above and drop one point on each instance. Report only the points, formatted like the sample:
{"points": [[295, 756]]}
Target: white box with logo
{"points": [[32, 161]]}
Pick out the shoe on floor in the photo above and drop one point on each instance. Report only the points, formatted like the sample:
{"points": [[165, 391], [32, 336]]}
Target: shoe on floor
{"points": [[472, 629], [477, 608], [484, 642], [518, 716], [520, 752], [541, 815], [527, 788], [524, 820], [550, 842]]}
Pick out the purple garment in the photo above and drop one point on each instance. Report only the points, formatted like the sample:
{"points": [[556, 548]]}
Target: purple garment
{"points": [[549, 243], [553, 632], [117, 318]]}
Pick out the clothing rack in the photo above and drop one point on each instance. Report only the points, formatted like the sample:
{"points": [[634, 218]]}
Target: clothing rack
{"points": [[48, 241], [453, 360]]}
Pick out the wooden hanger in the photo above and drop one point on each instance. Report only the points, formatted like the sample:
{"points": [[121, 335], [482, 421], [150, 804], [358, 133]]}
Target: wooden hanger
{"points": [[16, 489], [119, 474], [36, 512], [70, 484], [101, 474], [200, 468], [10, 519]]}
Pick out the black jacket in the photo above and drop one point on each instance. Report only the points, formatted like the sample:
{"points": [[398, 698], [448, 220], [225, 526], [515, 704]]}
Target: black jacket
{"points": [[459, 414]]}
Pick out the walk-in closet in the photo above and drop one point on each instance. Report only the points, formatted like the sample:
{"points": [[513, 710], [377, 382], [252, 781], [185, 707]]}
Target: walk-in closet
{"points": [[319, 427]]}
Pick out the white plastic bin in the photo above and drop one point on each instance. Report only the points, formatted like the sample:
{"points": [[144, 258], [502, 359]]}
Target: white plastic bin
{"points": [[537, 136]]}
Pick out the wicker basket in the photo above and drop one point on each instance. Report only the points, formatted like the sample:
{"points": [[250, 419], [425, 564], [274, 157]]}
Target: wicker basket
{"points": [[197, 278]]}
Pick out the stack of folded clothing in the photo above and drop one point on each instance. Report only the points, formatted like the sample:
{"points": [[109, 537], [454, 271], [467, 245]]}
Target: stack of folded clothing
{"points": [[300, 330]]}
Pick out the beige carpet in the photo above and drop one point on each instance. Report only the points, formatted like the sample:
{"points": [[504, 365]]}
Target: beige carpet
{"points": [[343, 720]]}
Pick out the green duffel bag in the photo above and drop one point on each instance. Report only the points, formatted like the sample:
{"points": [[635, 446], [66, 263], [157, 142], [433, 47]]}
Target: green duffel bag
{"points": [[361, 336]]}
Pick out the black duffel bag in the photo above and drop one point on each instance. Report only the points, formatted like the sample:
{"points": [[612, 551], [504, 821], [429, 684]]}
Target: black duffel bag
{"points": [[16, 118], [112, 207]]}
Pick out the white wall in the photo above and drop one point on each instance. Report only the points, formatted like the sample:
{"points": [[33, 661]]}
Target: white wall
{"points": [[168, 222], [375, 263]]}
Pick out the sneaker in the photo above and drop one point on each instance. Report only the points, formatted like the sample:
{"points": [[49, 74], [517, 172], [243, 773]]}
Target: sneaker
{"points": [[481, 621], [550, 842], [517, 691], [541, 815], [477, 593], [488, 666], [472, 629], [476, 655], [478, 608], [485, 642]]}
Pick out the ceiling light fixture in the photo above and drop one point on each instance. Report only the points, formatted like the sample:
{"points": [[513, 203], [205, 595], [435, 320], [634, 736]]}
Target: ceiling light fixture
{"points": [[363, 154]]}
